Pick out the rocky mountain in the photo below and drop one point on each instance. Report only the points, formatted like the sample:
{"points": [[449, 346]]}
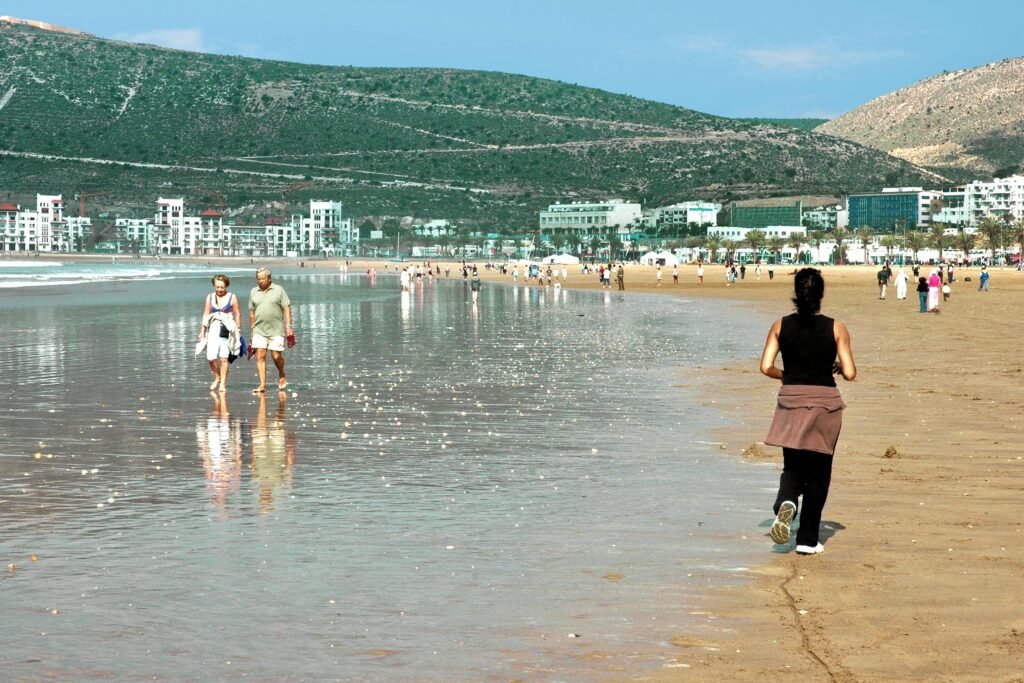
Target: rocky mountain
{"points": [[961, 123], [80, 114]]}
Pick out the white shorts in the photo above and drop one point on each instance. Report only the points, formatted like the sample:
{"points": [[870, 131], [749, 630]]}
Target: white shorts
{"points": [[271, 343], [216, 345]]}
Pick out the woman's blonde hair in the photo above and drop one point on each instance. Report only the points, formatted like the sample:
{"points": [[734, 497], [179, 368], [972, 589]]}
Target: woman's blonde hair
{"points": [[224, 278]]}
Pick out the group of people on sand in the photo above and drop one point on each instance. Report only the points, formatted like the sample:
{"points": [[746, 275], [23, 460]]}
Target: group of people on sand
{"points": [[929, 287], [270, 325]]}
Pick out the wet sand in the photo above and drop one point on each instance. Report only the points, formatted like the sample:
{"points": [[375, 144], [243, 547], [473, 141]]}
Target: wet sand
{"points": [[923, 548]]}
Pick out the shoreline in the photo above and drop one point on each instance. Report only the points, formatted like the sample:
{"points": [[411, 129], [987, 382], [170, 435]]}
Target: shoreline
{"points": [[923, 546]]}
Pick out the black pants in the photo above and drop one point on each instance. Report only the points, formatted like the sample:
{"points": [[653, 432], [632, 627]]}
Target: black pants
{"points": [[806, 473]]}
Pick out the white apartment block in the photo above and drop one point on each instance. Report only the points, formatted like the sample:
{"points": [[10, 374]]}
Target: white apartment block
{"points": [[683, 214], [726, 232], [954, 209], [41, 230], [590, 218], [827, 217], [998, 198], [77, 234]]}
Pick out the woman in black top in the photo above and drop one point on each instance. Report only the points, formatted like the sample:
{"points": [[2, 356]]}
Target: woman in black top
{"points": [[809, 413]]}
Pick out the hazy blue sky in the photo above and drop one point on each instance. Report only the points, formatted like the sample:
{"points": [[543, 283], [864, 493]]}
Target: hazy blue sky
{"points": [[730, 58]]}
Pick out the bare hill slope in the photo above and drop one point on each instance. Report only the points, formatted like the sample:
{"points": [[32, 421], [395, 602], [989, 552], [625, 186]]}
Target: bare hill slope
{"points": [[965, 122]]}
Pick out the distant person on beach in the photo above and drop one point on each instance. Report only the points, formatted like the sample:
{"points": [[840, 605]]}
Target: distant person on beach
{"points": [[474, 285], [700, 273], [675, 274], [901, 284], [270, 318], [934, 282], [743, 271], [771, 271], [221, 327], [809, 412], [657, 276], [983, 279], [922, 293], [883, 281], [620, 276]]}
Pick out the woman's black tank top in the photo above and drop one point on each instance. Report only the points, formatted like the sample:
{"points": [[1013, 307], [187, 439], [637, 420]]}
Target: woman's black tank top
{"points": [[808, 350]]}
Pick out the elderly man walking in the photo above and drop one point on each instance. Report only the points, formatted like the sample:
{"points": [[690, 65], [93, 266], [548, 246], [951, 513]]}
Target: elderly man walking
{"points": [[270, 317]]}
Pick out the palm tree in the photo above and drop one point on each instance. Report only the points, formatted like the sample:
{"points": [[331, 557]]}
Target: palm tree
{"points": [[730, 247], [937, 236], [840, 234], [814, 239], [712, 244], [965, 242], [916, 241], [864, 236], [775, 245], [992, 229], [756, 240], [890, 242], [795, 242]]}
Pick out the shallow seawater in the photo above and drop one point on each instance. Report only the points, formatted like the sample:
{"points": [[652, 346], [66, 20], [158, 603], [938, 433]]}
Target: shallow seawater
{"points": [[515, 492]]}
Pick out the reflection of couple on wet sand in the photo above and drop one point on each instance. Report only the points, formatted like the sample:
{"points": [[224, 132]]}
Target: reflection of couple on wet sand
{"points": [[222, 442], [273, 452], [220, 446]]}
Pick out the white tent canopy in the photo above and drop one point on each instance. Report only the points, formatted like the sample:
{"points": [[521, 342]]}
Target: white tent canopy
{"points": [[654, 258], [561, 259]]}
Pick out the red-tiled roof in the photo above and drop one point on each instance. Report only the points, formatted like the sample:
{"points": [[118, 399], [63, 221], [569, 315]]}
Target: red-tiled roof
{"points": [[211, 213], [8, 207]]}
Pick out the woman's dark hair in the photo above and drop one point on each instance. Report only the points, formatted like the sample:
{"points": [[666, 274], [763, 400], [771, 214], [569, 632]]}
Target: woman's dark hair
{"points": [[227, 281], [809, 288]]}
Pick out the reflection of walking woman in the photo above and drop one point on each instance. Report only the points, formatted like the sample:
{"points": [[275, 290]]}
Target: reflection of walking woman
{"points": [[221, 326], [809, 413]]}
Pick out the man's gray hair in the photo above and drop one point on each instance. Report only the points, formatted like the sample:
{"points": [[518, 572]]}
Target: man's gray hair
{"points": [[263, 270]]}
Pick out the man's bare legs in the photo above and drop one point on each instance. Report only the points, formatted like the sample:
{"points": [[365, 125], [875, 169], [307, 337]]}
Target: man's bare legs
{"points": [[261, 370], [278, 358]]}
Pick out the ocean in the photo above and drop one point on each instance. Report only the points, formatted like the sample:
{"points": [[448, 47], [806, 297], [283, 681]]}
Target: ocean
{"points": [[513, 492]]}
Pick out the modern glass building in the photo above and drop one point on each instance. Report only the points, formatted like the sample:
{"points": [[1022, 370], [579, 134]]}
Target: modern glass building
{"points": [[882, 210]]}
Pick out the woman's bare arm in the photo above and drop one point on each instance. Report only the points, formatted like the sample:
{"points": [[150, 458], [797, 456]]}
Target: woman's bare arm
{"points": [[847, 368], [771, 351]]}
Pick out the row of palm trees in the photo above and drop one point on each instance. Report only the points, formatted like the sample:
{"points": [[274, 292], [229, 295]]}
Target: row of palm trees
{"points": [[994, 234]]}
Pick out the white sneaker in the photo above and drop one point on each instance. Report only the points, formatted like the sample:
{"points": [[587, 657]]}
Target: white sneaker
{"points": [[810, 549], [780, 527]]}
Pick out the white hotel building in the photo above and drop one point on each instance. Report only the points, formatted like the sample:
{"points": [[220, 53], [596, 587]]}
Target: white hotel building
{"points": [[323, 232], [998, 198], [590, 218], [41, 230], [683, 214]]}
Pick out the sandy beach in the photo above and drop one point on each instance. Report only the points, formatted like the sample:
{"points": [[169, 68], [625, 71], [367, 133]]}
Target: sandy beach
{"points": [[924, 552], [923, 540]]}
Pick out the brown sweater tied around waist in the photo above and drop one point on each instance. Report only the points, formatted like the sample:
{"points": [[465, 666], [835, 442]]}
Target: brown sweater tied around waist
{"points": [[808, 418]]}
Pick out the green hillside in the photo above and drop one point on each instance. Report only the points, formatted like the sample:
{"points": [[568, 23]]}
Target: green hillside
{"points": [[139, 121], [799, 124]]}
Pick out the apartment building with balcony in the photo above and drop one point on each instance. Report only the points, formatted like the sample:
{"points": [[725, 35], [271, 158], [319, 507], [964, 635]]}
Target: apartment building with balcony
{"points": [[999, 198], [683, 214], [42, 229]]}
